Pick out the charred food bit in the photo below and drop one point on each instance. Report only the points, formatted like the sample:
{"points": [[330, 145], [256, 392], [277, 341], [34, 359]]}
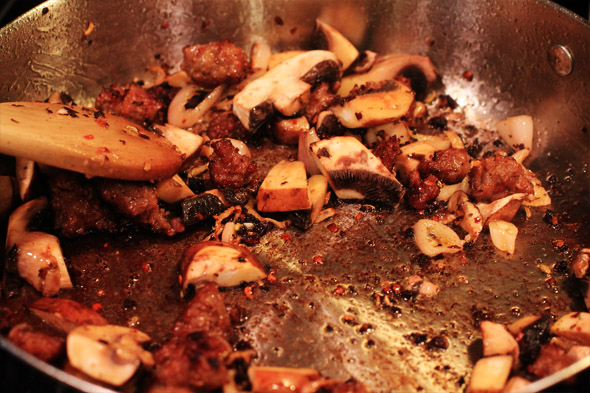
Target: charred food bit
{"points": [[321, 99], [354, 172], [225, 264], [378, 103], [421, 192], [215, 63], [65, 314], [229, 168], [284, 188], [387, 150], [203, 206], [497, 177], [285, 87], [35, 256], [109, 353]]}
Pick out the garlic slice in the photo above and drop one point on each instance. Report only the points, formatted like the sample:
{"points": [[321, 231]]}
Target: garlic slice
{"points": [[503, 235], [434, 238]]}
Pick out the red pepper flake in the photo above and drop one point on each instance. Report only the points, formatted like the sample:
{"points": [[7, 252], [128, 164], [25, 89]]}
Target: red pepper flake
{"points": [[248, 292], [89, 137], [272, 276], [100, 292], [146, 267], [286, 236], [318, 259], [557, 243], [339, 290], [333, 228], [165, 25], [468, 76], [101, 121], [180, 279], [97, 306], [358, 216], [101, 150], [554, 220], [397, 288], [106, 245]]}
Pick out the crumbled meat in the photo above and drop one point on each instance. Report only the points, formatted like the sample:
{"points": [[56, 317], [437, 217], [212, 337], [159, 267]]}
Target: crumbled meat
{"points": [[226, 125], [552, 358], [133, 102], [77, 207], [421, 192], [450, 165], [139, 201], [497, 177], [228, 168], [387, 150], [215, 63], [205, 312], [41, 345], [195, 355], [320, 100]]}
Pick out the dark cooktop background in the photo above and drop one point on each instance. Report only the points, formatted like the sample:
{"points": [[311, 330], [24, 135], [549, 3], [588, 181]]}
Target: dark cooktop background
{"points": [[10, 9]]}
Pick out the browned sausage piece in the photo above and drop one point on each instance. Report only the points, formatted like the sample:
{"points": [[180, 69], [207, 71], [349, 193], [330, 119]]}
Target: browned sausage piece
{"points": [[387, 150], [215, 63], [66, 314], [450, 165], [39, 344], [133, 102], [497, 177], [421, 192], [228, 168], [226, 125]]}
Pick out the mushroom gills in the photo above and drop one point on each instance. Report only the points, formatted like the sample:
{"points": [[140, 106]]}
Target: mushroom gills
{"points": [[354, 172], [225, 264]]}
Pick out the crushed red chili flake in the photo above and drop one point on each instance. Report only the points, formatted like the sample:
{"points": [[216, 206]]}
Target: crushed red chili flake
{"points": [[333, 228], [554, 220], [468, 76], [89, 137], [164, 25], [97, 306], [146, 267], [318, 259], [102, 122], [339, 290], [272, 276], [248, 291], [557, 243], [100, 292], [286, 236], [103, 149], [358, 216]]}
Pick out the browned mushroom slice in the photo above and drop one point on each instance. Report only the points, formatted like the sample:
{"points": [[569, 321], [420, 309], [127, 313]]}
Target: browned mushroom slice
{"points": [[109, 353], [280, 379], [318, 193], [574, 326], [388, 67], [375, 107], [65, 314], [225, 264], [327, 37], [306, 138], [354, 172], [187, 142], [490, 374], [364, 62], [284, 188], [36, 256], [285, 87], [497, 340], [173, 190]]}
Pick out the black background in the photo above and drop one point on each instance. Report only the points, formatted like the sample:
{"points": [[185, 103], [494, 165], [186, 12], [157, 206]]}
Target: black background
{"points": [[16, 376]]}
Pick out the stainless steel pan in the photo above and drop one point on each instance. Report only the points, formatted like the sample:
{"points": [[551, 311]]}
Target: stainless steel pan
{"points": [[527, 57]]}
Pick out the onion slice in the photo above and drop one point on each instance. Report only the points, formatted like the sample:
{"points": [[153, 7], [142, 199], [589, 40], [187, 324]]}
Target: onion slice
{"points": [[180, 116]]}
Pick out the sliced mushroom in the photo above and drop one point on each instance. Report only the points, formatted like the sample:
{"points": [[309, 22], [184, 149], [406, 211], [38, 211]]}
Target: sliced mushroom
{"points": [[36, 255], [188, 143], [490, 374], [388, 67], [285, 88], [7, 196], [498, 341], [574, 326], [280, 379], [173, 190], [200, 207], [375, 107], [503, 235], [277, 58], [318, 191], [515, 328], [27, 178], [354, 172], [364, 62], [399, 129], [501, 209], [472, 221], [327, 37], [260, 56], [179, 115], [284, 188], [65, 314], [225, 264], [287, 131], [109, 353], [434, 238], [306, 138]]}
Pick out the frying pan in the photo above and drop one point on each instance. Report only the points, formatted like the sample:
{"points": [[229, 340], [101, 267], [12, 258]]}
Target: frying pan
{"points": [[527, 57]]}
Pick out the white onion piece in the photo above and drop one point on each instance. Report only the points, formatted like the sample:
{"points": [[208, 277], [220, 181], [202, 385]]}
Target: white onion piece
{"points": [[229, 230], [503, 235], [436, 141], [398, 129], [259, 56], [433, 238], [207, 150], [306, 138], [178, 79], [539, 197], [449, 189], [181, 117], [517, 130], [521, 155], [187, 142], [455, 139]]}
